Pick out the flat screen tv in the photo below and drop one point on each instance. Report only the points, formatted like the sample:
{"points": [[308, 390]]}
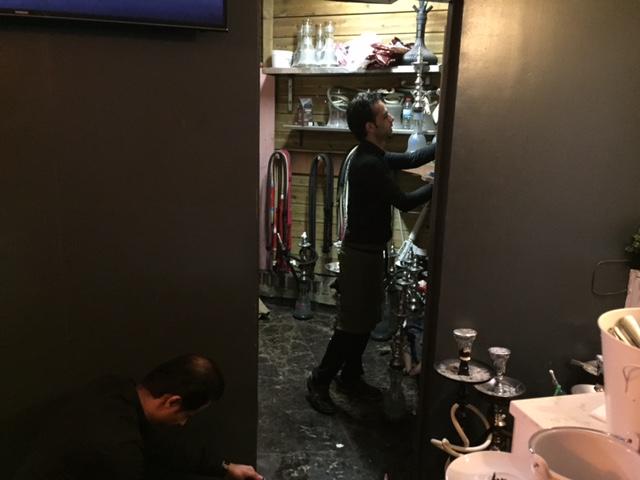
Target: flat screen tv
{"points": [[198, 14]]}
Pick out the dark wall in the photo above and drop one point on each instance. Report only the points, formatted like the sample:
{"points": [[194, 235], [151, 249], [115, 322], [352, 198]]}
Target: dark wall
{"points": [[541, 168], [128, 179]]}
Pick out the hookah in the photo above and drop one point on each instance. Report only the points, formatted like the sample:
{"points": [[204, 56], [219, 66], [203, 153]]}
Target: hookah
{"points": [[419, 49], [385, 328], [417, 139], [410, 306], [394, 400], [500, 390], [302, 267], [412, 301], [416, 304], [466, 372], [419, 56]]}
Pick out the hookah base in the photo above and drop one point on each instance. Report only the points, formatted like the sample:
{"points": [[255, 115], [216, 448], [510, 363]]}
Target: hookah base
{"points": [[302, 309], [383, 332], [394, 406], [302, 316]]}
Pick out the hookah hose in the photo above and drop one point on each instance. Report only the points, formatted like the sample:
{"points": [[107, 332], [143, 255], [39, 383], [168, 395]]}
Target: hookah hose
{"points": [[278, 209], [328, 201], [343, 195], [457, 450]]}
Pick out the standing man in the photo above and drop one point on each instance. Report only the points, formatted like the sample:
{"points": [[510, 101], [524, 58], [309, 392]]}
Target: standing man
{"points": [[105, 431], [372, 193]]}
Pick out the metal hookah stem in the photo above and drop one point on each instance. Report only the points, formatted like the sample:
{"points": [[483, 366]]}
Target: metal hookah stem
{"points": [[396, 340]]}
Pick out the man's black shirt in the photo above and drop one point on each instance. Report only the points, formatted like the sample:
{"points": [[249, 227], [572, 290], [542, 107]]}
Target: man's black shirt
{"points": [[102, 433], [373, 190]]}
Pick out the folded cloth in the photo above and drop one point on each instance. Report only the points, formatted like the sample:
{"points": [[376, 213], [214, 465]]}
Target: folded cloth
{"points": [[386, 56]]}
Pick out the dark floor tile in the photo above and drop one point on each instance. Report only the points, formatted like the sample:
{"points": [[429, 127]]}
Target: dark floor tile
{"points": [[340, 464], [363, 441], [283, 395], [283, 430]]}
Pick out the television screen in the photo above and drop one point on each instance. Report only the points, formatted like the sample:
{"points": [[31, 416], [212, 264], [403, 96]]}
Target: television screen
{"points": [[204, 14]]}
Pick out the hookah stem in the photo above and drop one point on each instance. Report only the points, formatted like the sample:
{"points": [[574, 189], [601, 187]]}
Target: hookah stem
{"points": [[418, 225], [287, 256], [421, 20]]}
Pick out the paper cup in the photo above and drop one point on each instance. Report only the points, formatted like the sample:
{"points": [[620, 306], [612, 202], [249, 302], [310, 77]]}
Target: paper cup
{"points": [[621, 379]]}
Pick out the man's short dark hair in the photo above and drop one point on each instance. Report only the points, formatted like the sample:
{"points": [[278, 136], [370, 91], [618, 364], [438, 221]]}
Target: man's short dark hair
{"points": [[197, 379], [360, 111]]}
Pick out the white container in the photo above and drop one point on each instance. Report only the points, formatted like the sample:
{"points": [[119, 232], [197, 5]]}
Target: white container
{"points": [[483, 466], [621, 379], [281, 58], [572, 453]]}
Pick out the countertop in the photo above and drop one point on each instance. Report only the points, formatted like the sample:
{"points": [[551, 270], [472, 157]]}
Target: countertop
{"points": [[533, 414]]}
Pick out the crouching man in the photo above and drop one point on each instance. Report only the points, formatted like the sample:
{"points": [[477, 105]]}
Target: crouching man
{"points": [[106, 431]]}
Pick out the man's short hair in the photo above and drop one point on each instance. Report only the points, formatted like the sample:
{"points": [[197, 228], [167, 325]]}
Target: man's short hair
{"points": [[360, 111], [195, 378]]}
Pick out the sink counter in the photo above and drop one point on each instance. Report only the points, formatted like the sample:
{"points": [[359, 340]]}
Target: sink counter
{"points": [[533, 414]]}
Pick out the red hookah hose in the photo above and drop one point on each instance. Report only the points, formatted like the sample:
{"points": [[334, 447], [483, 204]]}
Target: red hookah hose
{"points": [[278, 208]]}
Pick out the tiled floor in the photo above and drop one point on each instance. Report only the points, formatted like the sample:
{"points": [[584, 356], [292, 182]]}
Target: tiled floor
{"points": [[364, 441]]}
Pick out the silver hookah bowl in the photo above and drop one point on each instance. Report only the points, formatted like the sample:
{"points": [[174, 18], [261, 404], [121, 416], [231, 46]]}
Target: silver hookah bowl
{"points": [[464, 369], [500, 385]]}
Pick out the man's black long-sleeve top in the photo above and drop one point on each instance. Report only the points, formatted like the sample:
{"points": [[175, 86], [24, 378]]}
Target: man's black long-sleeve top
{"points": [[103, 434], [372, 191]]}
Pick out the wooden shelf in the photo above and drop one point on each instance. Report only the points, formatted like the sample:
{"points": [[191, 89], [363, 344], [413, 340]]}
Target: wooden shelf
{"points": [[403, 69], [318, 128]]}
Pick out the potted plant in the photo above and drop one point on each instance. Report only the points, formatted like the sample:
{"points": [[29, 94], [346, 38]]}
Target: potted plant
{"points": [[633, 291], [633, 249]]}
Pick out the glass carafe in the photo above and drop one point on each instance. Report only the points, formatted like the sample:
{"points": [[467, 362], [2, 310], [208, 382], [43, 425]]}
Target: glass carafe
{"points": [[327, 56], [306, 52]]}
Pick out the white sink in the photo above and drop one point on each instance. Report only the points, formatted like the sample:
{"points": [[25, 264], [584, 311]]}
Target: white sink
{"points": [[583, 454]]}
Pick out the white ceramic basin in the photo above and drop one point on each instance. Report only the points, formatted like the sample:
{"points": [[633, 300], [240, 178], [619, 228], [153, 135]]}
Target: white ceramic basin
{"points": [[583, 454], [482, 466]]}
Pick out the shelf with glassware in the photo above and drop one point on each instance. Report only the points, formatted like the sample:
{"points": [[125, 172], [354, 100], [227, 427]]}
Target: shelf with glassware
{"points": [[401, 69], [324, 128]]}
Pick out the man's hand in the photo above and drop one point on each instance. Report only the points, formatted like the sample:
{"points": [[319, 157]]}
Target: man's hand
{"points": [[242, 472]]}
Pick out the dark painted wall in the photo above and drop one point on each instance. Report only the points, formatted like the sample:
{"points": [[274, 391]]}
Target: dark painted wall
{"points": [[541, 170], [128, 179]]}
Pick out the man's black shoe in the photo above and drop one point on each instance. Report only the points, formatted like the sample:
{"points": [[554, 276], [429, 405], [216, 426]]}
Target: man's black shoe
{"points": [[358, 388], [318, 397]]}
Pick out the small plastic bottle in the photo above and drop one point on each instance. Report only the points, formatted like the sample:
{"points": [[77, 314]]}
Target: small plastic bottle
{"points": [[407, 112]]}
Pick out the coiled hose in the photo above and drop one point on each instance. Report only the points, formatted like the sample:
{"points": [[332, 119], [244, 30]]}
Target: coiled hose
{"points": [[328, 202], [278, 222]]}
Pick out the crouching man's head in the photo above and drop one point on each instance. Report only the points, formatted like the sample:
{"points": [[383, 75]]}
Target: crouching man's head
{"points": [[178, 389]]}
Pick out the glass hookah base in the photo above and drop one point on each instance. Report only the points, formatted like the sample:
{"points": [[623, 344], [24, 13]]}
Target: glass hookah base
{"points": [[478, 372], [507, 388]]}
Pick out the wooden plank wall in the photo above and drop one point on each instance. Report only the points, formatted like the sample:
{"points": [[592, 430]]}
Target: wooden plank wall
{"points": [[351, 19], [281, 18]]}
